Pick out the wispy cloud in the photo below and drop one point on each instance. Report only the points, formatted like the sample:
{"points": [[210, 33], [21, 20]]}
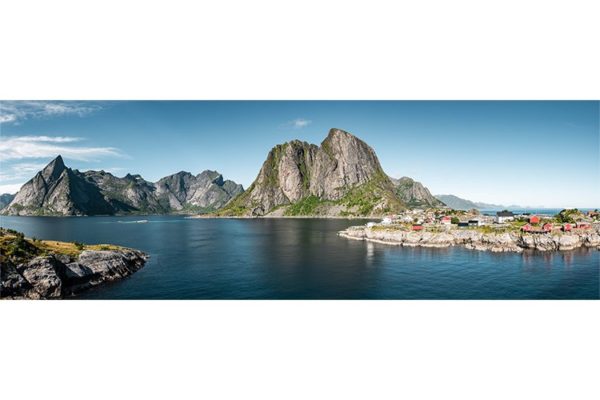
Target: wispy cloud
{"points": [[297, 123], [19, 171], [10, 188], [15, 111], [27, 147]]}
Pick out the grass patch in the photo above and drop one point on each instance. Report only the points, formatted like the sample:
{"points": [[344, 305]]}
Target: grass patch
{"points": [[306, 206], [15, 246]]}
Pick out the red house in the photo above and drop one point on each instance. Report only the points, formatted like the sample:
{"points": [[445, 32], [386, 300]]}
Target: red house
{"points": [[547, 227], [446, 220], [534, 219], [567, 227], [526, 228], [417, 227], [583, 225]]}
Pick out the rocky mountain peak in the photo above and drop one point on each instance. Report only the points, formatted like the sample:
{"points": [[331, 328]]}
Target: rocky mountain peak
{"points": [[336, 133], [54, 169], [331, 174], [211, 176], [414, 193]]}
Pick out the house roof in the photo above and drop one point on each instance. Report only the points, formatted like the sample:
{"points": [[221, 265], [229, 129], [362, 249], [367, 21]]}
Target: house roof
{"points": [[505, 214]]}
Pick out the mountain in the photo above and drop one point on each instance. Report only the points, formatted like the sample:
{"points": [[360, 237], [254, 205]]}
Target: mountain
{"points": [[58, 190], [341, 177], [206, 191], [414, 194], [461, 204], [5, 199]]}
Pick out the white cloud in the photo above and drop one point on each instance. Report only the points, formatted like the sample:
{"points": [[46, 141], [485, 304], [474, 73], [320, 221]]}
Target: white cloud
{"points": [[51, 139], [300, 123], [14, 111], [24, 147], [19, 171], [10, 188]]}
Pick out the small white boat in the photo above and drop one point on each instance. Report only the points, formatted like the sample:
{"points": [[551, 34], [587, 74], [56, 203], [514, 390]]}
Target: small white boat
{"points": [[141, 221]]}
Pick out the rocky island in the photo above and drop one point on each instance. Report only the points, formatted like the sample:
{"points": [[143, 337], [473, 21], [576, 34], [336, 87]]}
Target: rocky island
{"points": [[44, 269], [560, 232]]}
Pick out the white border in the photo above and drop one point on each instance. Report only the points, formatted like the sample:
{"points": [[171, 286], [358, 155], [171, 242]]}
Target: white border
{"points": [[299, 50]]}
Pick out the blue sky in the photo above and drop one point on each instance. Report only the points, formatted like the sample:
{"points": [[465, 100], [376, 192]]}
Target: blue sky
{"points": [[528, 153]]}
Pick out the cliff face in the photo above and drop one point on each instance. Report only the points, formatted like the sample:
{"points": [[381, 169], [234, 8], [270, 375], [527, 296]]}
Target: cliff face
{"points": [[341, 177], [58, 190], [414, 193]]}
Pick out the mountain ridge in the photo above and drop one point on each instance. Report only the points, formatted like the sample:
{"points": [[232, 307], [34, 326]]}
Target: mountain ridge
{"points": [[59, 190], [340, 177], [458, 203]]}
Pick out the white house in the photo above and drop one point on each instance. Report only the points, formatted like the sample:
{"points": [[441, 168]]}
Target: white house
{"points": [[386, 221], [504, 216]]}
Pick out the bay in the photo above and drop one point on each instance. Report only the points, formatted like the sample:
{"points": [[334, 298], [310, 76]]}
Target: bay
{"points": [[305, 259]]}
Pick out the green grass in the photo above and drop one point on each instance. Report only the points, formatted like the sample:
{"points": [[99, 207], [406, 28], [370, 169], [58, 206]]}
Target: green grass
{"points": [[304, 207], [15, 246]]}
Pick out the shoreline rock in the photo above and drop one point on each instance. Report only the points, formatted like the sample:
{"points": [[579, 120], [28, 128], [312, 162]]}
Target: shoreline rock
{"points": [[58, 276], [473, 240]]}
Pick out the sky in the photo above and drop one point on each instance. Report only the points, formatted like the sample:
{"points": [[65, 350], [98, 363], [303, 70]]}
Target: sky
{"points": [[527, 153]]}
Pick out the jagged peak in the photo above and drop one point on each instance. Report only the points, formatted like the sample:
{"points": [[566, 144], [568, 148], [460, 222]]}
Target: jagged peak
{"points": [[181, 173], [209, 173], [53, 169], [341, 136], [336, 132], [58, 162]]}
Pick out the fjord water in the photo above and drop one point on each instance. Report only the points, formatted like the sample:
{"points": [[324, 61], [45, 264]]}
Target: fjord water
{"points": [[305, 259]]}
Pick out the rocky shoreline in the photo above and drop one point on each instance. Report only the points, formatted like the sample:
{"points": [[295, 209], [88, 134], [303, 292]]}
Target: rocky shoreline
{"points": [[58, 276], [472, 239]]}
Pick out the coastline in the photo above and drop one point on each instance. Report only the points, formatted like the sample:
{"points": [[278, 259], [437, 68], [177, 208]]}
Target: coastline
{"points": [[278, 217], [473, 240]]}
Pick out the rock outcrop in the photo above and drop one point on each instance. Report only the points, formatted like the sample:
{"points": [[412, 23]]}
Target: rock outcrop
{"points": [[414, 194], [54, 277], [58, 190], [471, 239], [341, 177]]}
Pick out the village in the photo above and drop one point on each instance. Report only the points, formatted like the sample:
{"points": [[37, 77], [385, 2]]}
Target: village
{"points": [[444, 219]]}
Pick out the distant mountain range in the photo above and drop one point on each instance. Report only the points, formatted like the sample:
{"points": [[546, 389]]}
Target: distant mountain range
{"points": [[462, 204], [58, 190], [5, 199], [340, 177]]}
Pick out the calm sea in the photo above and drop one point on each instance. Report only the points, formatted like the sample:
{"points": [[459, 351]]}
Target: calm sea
{"points": [[305, 259]]}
